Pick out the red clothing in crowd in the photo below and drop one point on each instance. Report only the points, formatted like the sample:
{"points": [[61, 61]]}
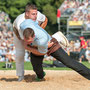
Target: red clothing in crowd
{"points": [[83, 44]]}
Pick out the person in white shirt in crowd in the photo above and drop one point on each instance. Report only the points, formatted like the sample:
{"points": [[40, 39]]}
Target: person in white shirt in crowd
{"points": [[11, 54], [87, 53], [27, 57], [30, 13], [77, 46]]}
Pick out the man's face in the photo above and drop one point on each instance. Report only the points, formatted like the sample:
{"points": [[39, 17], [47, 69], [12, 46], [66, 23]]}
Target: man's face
{"points": [[30, 40], [32, 14]]}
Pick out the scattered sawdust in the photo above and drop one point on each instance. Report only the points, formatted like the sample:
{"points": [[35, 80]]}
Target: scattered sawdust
{"points": [[54, 80]]}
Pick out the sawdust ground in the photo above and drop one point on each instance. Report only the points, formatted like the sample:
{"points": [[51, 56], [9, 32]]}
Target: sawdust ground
{"points": [[54, 80]]}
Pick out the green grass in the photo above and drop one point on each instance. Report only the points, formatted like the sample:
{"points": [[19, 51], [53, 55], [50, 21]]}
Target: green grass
{"points": [[28, 66], [64, 68]]}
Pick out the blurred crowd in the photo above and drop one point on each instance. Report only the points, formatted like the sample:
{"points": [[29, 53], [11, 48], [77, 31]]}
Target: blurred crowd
{"points": [[5, 22], [6, 38], [78, 11], [69, 6], [7, 48], [82, 14], [76, 49]]}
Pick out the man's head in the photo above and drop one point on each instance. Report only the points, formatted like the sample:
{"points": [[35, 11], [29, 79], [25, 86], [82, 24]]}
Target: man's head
{"points": [[81, 38], [28, 35], [31, 12]]}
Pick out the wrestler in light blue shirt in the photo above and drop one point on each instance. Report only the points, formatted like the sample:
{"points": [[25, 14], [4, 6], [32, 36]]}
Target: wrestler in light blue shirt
{"points": [[41, 36]]}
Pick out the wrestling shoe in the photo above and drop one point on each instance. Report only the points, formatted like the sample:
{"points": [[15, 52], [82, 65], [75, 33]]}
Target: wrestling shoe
{"points": [[38, 79], [20, 78]]}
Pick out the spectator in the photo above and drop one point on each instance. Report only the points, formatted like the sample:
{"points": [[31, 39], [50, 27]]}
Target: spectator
{"points": [[87, 53], [88, 43], [83, 45]]}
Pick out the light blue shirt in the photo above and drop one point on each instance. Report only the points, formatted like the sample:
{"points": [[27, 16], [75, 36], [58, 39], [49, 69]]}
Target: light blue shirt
{"points": [[41, 36]]}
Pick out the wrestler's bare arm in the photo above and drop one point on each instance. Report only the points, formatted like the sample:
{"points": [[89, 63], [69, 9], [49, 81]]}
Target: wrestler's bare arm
{"points": [[43, 24], [34, 49]]}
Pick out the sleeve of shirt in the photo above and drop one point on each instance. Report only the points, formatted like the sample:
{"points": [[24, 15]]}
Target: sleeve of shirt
{"points": [[17, 23], [43, 46], [20, 31], [40, 17], [21, 34]]}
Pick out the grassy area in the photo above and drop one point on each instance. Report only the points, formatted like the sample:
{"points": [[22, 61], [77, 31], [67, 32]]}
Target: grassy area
{"points": [[28, 66]]}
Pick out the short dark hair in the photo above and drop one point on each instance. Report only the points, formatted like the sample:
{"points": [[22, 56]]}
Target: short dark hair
{"points": [[30, 6], [28, 32]]}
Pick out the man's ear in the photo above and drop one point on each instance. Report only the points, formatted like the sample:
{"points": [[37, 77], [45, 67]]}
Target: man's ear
{"points": [[26, 14]]}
